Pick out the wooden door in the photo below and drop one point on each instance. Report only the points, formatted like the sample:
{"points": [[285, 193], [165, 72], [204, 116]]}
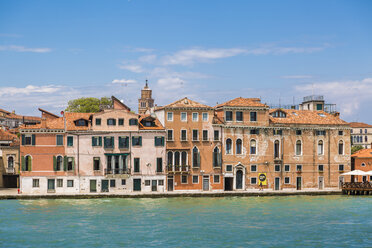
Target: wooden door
{"points": [[137, 184]]}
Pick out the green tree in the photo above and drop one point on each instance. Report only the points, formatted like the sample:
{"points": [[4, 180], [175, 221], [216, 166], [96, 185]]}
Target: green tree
{"points": [[88, 104], [354, 149]]}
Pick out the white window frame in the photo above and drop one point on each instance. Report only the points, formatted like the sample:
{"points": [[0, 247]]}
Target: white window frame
{"points": [[29, 136], [289, 166], [320, 165], [322, 153], [232, 146], [289, 181], [197, 117], [183, 113], [275, 165], [172, 135], [187, 179], [193, 179], [232, 115], [296, 148], [181, 135], [219, 178], [203, 135], [253, 170], [250, 181], [231, 168], [169, 119], [197, 138], [205, 113]]}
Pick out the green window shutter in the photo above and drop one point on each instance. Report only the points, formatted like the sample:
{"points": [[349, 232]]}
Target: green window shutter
{"points": [[105, 142], [113, 142], [100, 141], [162, 141], [140, 140], [92, 141], [132, 140], [127, 141], [30, 167], [198, 159], [120, 143], [54, 163], [155, 138], [65, 163], [23, 139], [23, 164], [33, 139]]}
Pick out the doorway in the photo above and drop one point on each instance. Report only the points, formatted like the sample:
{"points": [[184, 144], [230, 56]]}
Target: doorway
{"points": [[93, 186], [205, 183], [137, 184], [298, 183], [154, 185], [321, 182], [51, 185], [239, 179], [105, 186], [170, 183], [229, 183], [277, 183]]}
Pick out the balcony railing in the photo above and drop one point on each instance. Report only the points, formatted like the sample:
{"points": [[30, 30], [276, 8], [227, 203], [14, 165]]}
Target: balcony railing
{"points": [[178, 168], [117, 171], [10, 170]]}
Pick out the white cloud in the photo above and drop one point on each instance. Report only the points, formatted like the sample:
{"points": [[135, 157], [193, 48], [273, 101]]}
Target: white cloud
{"points": [[24, 49], [132, 68], [142, 50], [148, 58], [170, 83], [29, 89], [297, 76], [349, 95], [124, 81]]}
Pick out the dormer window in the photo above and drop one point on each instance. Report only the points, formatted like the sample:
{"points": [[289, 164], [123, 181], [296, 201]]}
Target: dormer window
{"points": [[279, 114], [81, 123], [148, 124]]}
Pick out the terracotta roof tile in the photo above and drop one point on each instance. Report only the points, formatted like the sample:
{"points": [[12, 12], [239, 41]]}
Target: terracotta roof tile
{"points": [[363, 153], [306, 117], [359, 124], [72, 117], [158, 125], [186, 103], [5, 135], [243, 102]]}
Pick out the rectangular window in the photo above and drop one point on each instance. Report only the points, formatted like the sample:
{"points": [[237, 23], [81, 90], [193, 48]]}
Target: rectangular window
{"points": [[183, 135], [184, 179], [205, 135], [253, 180], [70, 183], [277, 168], [35, 183], [123, 182], [136, 165], [195, 116], [320, 168], [205, 116], [70, 163], [124, 142], [147, 182], [286, 180], [59, 183], [96, 163], [160, 182], [228, 167], [340, 133], [159, 141], [229, 115], [195, 179], [253, 116], [320, 132], [59, 140], [341, 167], [170, 135], [253, 168], [109, 142], [133, 122], [287, 168], [183, 116], [159, 164], [112, 183], [254, 131], [170, 116], [121, 122], [239, 115], [96, 141], [136, 141], [111, 122], [216, 135], [28, 139], [98, 121], [299, 167], [277, 132], [298, 132], [70, 141], [216, 179], [195, 135]]}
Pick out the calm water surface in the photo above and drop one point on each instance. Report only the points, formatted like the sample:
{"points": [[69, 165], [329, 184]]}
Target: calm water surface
{"points": [[294, 221]]}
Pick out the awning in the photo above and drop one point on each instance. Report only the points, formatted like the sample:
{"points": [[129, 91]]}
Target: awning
{"points": [[355, 173], [117, 154]]}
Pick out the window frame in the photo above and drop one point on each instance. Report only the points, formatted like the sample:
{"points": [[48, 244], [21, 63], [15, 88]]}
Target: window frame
{"points": [[185, 115], [255, 116], [181, 137], [197, 117], [214, 179], [251, 180], [203, 115], [229, 111], [170, 116], [253, 166], [182, 181], [195, 176]]}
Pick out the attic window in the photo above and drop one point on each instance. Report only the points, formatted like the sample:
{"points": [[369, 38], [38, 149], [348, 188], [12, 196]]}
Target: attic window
{"points": [[321, 115], [81, 123], [149, 124], [279, 114]]}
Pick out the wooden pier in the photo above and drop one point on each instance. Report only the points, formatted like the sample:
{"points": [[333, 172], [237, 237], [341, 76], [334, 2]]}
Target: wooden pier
{"points": [[357, 188]]}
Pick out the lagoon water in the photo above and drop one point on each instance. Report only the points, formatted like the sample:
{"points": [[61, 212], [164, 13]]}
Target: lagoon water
{"points": [[293, 221]]}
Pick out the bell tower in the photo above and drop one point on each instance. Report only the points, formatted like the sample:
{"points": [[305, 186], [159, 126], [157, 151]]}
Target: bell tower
{"points": [[145, 102]]}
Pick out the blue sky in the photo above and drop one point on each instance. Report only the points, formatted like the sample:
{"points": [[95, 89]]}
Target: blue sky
{"points": [[210, 51]]}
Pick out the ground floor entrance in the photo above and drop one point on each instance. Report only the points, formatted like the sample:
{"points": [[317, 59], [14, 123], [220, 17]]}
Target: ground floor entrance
{"points": [[229, 183], [205, 183], [320, 182], [137, 184], [298, 183], [277, 183], [239, 179], [170, 183], [105, 185], [93, 186], [10, 181]]}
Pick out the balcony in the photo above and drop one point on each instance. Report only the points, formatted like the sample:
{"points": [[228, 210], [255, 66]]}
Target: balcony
{"points": [[10, 170], [178, 169], [117, 171]]}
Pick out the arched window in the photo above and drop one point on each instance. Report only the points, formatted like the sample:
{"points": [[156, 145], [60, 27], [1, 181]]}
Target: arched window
{"points": [[341, 147], [184, 158], [170, 158], [253, 147], [195, 157], [28, 163], [10, 162], [177, 158], [238, 146], [276, 148], [59, 163], [228, 146], [320, 147], [298, 148], [216, 157]]}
